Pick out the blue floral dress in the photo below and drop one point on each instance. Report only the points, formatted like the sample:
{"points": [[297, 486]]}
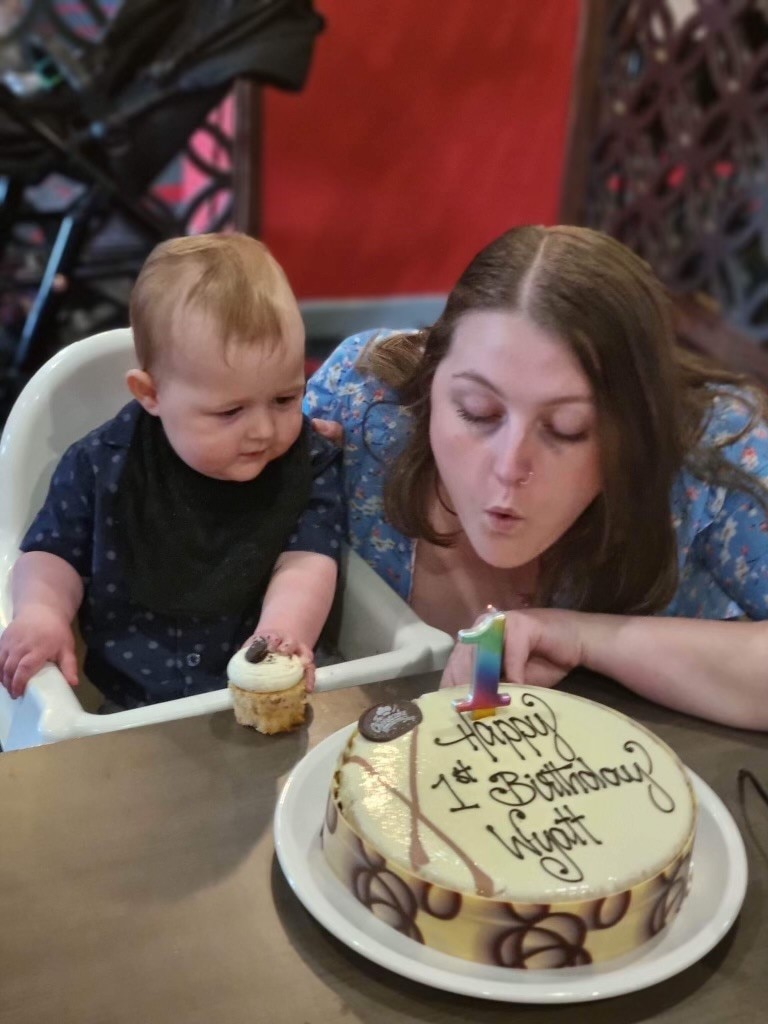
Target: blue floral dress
{"points": [[722, 534]]}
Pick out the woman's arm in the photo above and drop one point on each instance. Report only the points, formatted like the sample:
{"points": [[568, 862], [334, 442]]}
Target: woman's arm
{"points": [[330, 387], [715, 670]]}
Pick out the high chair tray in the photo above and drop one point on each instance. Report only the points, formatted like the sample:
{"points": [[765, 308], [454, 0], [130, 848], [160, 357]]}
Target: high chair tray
{"points": [[375, 633]]}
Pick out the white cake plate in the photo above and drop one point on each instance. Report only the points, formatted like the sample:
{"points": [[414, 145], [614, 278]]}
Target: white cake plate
{"points": [[717, 892]]}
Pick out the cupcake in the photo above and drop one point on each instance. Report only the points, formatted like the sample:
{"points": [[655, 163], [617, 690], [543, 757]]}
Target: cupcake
{"points": [[268, 689]]}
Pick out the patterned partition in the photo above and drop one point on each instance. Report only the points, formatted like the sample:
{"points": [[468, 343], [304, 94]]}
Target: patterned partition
{"points": [[669, 145]]}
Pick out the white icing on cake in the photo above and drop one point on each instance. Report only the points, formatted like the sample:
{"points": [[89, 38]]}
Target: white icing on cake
{"points": [[553, 798], [275, 672]]}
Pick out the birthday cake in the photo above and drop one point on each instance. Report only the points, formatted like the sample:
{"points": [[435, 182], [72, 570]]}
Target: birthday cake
{"points": [[553, 833]]}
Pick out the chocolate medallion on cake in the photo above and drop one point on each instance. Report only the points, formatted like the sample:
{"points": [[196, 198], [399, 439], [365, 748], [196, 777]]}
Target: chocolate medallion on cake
{"points": [[389, 721]]}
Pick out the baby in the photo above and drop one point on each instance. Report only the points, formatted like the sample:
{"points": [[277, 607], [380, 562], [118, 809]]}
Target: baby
{"points": [[204, 512]]}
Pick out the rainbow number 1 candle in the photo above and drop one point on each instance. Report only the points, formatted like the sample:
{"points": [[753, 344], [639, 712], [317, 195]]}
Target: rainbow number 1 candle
{"points": [[488, 638]]}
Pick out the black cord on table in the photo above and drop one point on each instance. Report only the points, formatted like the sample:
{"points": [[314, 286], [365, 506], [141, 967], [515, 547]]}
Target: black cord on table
{"points": [[744, 776]]}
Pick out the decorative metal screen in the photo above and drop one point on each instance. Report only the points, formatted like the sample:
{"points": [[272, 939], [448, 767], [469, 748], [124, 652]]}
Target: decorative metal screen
{"points": [[678, 169]]}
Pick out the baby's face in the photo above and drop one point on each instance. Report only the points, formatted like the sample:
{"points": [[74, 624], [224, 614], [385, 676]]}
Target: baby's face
{"points": [[228, 414]]}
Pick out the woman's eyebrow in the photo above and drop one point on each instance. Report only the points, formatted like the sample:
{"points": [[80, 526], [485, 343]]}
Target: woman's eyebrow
{"points": [[477, 378]]}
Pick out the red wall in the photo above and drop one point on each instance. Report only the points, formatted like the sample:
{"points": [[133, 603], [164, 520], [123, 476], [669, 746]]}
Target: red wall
{"points": [[426, 128]]}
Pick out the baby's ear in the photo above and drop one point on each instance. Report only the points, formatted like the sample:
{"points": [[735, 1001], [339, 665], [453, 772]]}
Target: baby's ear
{"points": [[143, 388]]}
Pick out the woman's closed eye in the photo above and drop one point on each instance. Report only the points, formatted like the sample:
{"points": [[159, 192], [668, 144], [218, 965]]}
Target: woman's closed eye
{"points": [[480, 417], [567, 436], [564, 425], [554, 432]]}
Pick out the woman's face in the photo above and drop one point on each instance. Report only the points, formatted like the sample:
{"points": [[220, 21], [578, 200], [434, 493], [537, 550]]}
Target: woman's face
{"points": [[514, 433]]}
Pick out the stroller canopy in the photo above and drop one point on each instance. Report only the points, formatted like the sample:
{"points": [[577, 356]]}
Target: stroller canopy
{"points": [[155, 50], [159, 68]]}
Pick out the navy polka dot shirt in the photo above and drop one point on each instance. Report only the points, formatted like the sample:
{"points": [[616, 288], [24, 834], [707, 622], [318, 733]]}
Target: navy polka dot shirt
{"points": [[136, 656]]}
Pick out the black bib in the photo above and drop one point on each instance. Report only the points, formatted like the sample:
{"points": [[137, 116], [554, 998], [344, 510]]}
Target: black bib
{"points": [[195, 546]]}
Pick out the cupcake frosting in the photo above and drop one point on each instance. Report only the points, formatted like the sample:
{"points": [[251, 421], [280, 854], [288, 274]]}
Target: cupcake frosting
{"points": [[274, 672]]}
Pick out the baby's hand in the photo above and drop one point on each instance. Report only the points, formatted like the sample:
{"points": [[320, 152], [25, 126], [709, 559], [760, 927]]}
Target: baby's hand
{"points": [[30, 640], [280, 643]]}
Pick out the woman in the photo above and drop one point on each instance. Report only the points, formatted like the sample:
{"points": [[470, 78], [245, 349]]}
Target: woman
{"points": [[545, 448]]}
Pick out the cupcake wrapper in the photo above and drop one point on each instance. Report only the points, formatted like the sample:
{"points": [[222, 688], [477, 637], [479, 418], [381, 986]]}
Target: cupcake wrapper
{"points": [[269, 713]]}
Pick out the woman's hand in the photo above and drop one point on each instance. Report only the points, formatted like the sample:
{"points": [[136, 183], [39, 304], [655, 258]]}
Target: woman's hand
{"points": [[330, 430], [686, 664], [541, 646]]}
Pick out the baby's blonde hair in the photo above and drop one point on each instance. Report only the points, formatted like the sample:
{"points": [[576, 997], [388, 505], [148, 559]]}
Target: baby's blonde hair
{"points": [[231, 278]]}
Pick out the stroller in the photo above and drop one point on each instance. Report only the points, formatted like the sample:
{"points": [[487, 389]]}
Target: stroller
{"points": [[109, 117]]}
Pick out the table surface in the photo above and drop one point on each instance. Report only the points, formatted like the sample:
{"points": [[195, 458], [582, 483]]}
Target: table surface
{"points": [[138, 882]]}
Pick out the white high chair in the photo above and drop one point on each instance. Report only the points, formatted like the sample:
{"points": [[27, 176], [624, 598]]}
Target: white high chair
{"points": [[376, 633]]}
